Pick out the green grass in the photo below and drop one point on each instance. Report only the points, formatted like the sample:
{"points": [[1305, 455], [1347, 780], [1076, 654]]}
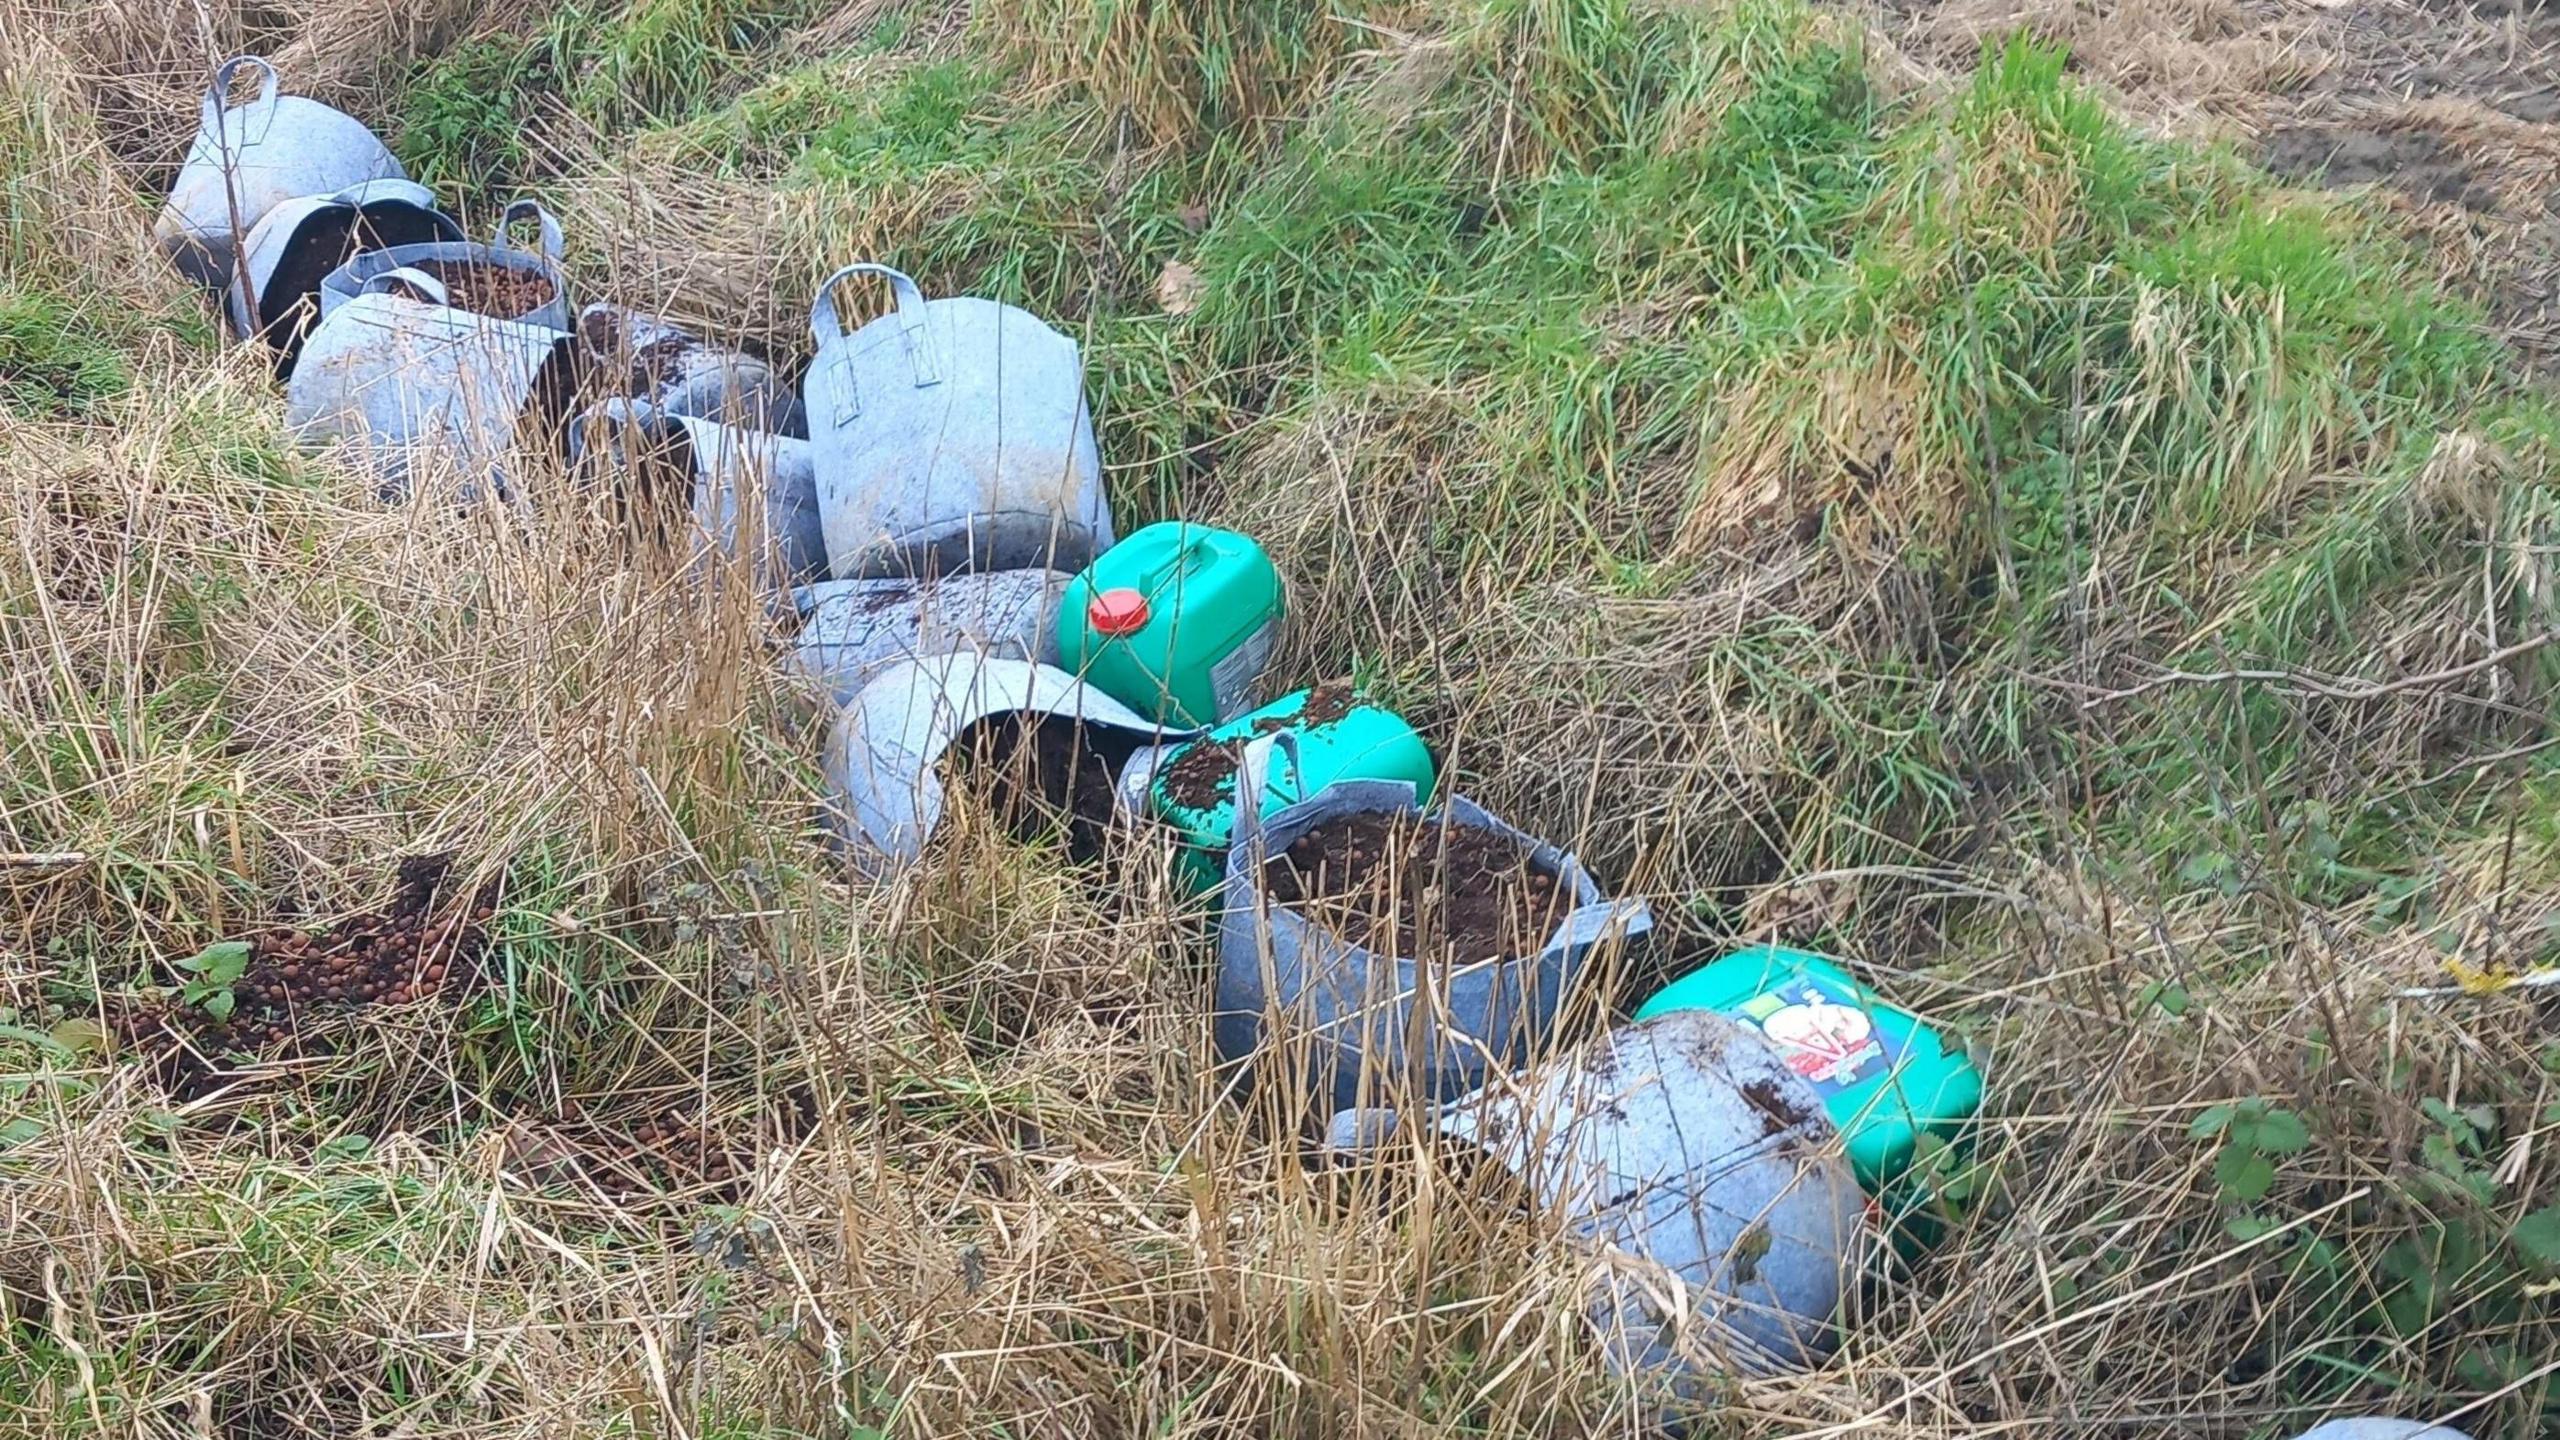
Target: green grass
{"points": [[53, 363], [465, 122], [471, 118]]}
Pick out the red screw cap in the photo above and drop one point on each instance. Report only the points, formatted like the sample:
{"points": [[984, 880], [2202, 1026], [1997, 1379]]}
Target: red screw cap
{"points": [[1115, 613]]}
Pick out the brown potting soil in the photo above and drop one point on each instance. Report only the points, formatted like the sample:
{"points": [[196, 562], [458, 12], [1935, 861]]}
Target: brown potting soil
{"points": [[1202, 776], [486, 289], [1040, 777], [1778, 1114], [1433, 892], [646, 369], [1328, 702], [424, 945]]}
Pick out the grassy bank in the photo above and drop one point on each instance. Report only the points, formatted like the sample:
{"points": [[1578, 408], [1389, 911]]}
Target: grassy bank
{"points": [[2104, 595]]}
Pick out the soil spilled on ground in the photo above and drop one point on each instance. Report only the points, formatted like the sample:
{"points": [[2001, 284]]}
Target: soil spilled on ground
{"points": [[427, 944], [1449, 894], [1203, 776], [1041, 775], [485, 289]]}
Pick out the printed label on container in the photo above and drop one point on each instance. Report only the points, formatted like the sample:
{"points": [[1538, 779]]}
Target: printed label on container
{"points": [[1832, 1044], [1232, 679]]}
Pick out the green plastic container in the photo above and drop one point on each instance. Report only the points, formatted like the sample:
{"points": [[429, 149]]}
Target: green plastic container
{"points": [[1177, 622], [1340, 737], [1886, 1077]]}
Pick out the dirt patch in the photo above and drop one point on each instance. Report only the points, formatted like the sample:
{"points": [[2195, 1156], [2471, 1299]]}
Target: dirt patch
{"points": [[485, 289], [427, 944], [1431, 892], [79, 548], [2417, 163], [1040, 776], [1202, 777], [664, 1152], [1778, 1114]]}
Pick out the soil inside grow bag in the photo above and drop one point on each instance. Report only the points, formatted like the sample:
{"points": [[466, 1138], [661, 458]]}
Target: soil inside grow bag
{"points": [[1041, 775], [1400, 887], [485, 289], [1204, 775]]}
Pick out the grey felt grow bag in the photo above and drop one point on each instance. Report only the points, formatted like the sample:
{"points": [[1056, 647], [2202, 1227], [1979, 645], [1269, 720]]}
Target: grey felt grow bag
{"points": [[734, 480], [1704, 1177], [349, 280], [951, 434], [1377, 1028], [851, 630], [248, 159], [426, 388]]}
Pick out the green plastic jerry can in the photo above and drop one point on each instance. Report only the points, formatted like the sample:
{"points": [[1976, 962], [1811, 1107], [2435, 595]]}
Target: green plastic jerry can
{"points": [[1177, 622], [1888, 1079], [1339, 737]]}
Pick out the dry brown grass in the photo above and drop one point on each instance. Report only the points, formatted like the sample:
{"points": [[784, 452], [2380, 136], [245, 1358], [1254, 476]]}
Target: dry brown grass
{"points": [[992, 1185]]}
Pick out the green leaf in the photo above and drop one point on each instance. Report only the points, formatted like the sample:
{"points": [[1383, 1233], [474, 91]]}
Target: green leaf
{"points": [[2453, 1120], [20, 1131], [2321, 1255], [2206, 867], [80, 1035], [2247, 1226], [2210, 1123], [2269, 1131], [218, 1004], [2537, 1236], [2169, 995], [2437, 1150], [344, 1147], [25, 1036], [219, 964], [2244, 1174]]}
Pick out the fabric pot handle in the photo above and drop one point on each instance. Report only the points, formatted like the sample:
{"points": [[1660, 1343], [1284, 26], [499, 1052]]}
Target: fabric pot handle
{"points": [[217, 95], [418, 279], [554, 244], [827, 328]]}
